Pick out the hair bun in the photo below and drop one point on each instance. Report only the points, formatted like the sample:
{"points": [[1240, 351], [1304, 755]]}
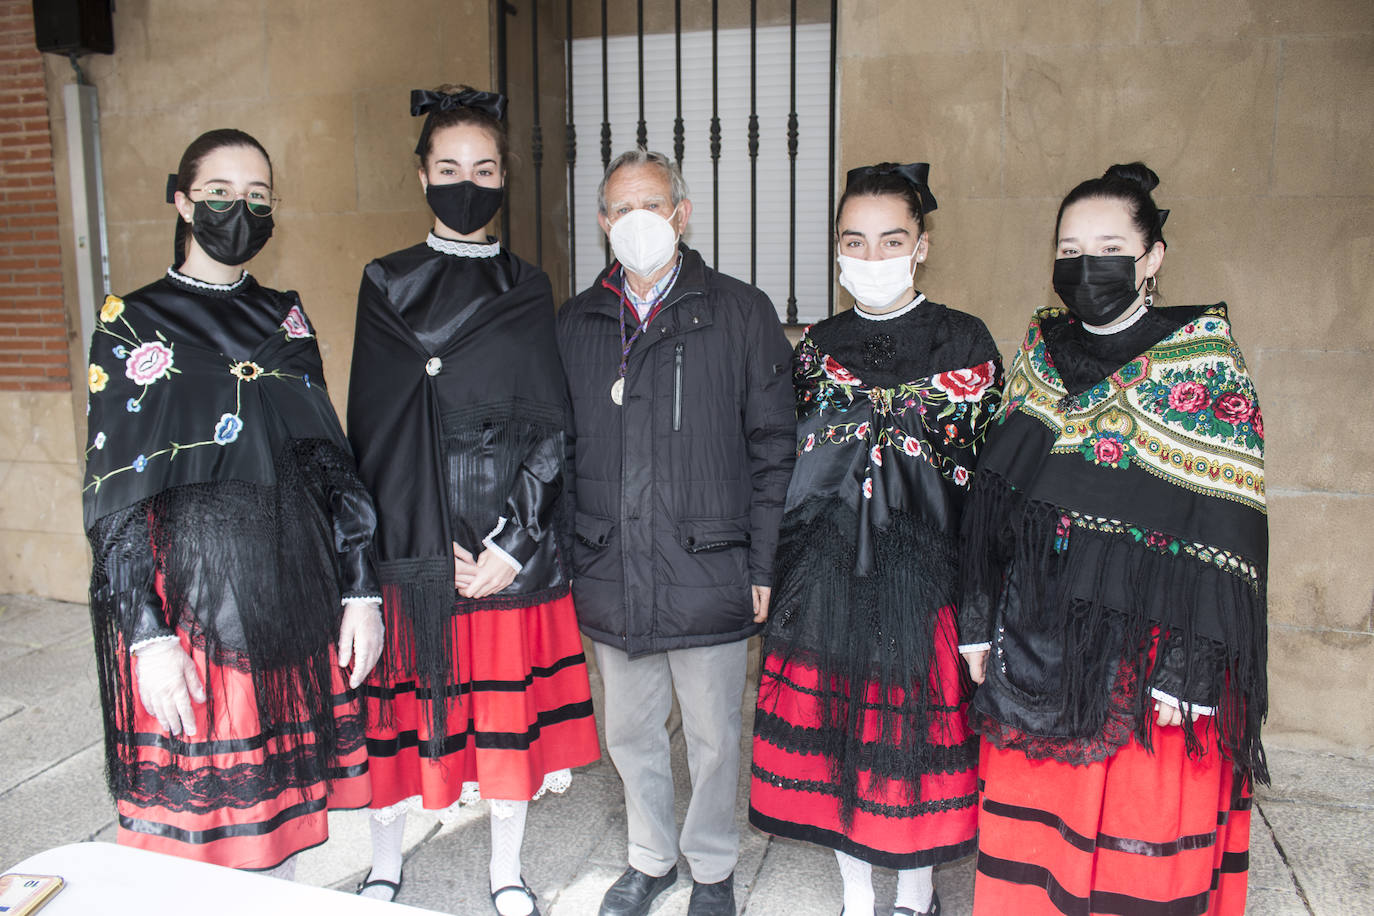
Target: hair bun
{"points": [[1137, 172]]}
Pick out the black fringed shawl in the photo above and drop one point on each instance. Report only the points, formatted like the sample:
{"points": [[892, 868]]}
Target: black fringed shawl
{"points": [[891, 415], [1121, 495], [220, 499], [457, 401]]}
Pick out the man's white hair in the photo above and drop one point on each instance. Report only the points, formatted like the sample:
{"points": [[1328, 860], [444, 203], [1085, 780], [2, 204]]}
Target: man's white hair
{"points": [[641, 156]]}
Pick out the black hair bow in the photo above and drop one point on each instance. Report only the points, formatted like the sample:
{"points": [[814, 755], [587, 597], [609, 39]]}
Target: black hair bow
{"points": [[917, 174], [429, 102]]}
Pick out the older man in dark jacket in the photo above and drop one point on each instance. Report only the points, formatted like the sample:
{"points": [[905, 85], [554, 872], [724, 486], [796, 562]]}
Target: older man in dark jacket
{"points": [[682, 445]]}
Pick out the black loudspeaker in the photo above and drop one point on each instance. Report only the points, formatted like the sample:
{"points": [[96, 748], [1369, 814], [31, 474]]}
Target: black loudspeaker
{"points": [[74, 26]]}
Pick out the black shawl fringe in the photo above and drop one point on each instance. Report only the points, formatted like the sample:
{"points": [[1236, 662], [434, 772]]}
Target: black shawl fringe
{"points": [[873, 633], [1111, 594]]}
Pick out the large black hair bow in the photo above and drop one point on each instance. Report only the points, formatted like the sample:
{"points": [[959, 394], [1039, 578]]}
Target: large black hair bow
{"points": [[917, 174]]}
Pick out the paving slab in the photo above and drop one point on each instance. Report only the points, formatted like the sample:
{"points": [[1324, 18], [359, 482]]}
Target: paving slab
{"points": [[65, 803], [1331, 853], [1317, 778]]}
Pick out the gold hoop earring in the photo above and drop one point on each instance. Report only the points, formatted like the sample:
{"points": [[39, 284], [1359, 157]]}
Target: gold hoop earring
{"points": [[1151, 288]]}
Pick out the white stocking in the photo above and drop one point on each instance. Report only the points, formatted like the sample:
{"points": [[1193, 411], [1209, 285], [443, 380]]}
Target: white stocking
{"points": [[915, 887], [857, 876], [507, 833], [386, 854]]}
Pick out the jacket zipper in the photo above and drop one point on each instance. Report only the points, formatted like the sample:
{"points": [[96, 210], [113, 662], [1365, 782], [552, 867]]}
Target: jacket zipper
{"points": [[677, 387]]}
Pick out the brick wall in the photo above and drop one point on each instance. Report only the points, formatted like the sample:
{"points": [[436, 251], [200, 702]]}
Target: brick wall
{"points": [[33, 327]]}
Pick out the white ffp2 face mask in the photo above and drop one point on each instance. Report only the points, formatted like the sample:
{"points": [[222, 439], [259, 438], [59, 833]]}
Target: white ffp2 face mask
{"points": [[643, 241], [875, 284]]}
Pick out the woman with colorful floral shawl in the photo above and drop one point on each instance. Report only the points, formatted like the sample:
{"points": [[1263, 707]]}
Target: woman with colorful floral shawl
{"points": [[1113, 610]]}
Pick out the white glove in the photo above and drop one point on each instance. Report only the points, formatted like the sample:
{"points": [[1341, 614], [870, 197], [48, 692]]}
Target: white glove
{"points": [[167, 683], [361, 635]]}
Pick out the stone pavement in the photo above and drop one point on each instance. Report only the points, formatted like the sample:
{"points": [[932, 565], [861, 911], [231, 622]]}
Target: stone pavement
{"points": [[1312, 836]]}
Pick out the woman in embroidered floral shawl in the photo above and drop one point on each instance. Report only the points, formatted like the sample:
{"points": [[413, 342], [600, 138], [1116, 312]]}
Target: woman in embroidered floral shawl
{"points": [[860, 737], [1113, 610], [230, 536]]}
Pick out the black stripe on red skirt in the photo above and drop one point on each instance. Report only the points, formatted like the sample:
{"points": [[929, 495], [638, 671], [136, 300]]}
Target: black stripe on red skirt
{"points": [[389, 693], [258, 828], [506, 741], [833, 839], [1100, 901]]}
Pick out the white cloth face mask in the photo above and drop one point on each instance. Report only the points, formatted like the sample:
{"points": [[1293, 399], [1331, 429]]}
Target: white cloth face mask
{"points": [[643, 241], [876, 284]]}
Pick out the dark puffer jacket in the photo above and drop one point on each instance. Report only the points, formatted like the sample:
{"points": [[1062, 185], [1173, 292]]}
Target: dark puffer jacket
{"points": [[679, 492]]}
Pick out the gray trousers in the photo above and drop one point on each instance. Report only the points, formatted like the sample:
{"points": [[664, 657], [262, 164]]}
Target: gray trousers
{"points": [[639, 698]]}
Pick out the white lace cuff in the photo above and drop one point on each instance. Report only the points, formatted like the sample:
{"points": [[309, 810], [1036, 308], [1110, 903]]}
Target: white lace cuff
{"points": [[488, 543], [1176, 703], [143, 643], [975, 647]]}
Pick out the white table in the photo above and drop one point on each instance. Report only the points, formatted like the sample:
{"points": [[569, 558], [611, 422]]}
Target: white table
{"points": [[104, 879]]}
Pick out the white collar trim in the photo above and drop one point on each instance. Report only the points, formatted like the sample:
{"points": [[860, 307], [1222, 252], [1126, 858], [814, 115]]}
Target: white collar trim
{"points": [[463, 249], [920, 297], [1103, 332], [201, 284]]}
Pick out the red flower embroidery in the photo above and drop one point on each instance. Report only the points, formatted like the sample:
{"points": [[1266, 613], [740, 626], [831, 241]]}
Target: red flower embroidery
{"points": [[1257, 422], [960, 474], [1108, 451], [966, 384], [1232, 407], [837, 373], [862, 431], [868, 488], [1189, 397], [912, 446], [810, 442], [876, 456]]}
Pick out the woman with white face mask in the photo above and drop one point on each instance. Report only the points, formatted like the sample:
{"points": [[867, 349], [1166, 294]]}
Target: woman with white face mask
{"points": [[861, 740]]}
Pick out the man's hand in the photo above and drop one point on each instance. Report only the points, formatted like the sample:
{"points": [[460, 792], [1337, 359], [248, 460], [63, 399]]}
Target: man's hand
{"points": [[167, 684], [761, 595]]}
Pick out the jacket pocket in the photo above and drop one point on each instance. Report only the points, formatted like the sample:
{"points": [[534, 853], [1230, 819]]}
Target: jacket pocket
{"points": [[711, 534], [593, 530]]}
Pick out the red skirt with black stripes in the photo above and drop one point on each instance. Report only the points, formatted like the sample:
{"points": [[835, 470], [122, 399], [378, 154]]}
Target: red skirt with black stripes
{"points": [[521, 708], [1141, 833], [223, 795]]}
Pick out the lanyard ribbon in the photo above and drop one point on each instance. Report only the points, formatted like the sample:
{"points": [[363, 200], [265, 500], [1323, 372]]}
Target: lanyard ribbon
{"points": [[652, 308]]}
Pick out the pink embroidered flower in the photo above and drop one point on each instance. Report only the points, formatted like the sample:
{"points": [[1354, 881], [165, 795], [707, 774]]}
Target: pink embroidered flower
{"points": [[294, 324], [1257, 421], [150, 362], [912, 446], [966, 384], [868, 488], [1189, 397], [875, 455], [1231, 407], [862, 431], [837, 373], [1157, 540], [1108, 450], [960, 475], [810, 442]]}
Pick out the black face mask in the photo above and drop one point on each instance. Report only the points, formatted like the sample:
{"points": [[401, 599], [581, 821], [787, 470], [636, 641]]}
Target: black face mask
{"points": [[464, 207], [230, 236], [1098, 289]]}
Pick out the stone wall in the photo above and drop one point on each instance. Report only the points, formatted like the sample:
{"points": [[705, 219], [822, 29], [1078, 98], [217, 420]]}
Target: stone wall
{"points": [[1257, 116]]}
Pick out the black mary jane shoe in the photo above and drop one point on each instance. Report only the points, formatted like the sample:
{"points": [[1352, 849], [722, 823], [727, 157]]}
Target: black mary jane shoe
{"points": [[521, 888], [634, 891], [908, 911], [369, 881]]}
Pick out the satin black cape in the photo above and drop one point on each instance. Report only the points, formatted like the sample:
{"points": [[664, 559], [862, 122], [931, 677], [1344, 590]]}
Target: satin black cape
{"points": [[453, 435], [219, 499]]}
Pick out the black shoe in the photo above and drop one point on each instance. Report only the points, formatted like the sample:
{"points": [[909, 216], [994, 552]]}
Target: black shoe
{"points": [[713, 899], [933, 911], [521, 888], [634, 891], [395, 886]]}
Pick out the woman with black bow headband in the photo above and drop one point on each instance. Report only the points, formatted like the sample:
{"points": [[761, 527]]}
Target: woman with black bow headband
{"points": [[860, 739], [457, 407], [230, 535], [1113, 608]]}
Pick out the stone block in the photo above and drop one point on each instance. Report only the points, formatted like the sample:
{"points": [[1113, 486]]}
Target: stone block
{"points": [[1306, 778], [37, 426], [1297, 400], [1072, 112], [39, 563], [384, 151], [1324, 132], [39, 496], [28, 624], [874, 27], [1182, 20], [1320, 682], [173, 54], [65, 803], [1312, 579], [944, 108]]}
